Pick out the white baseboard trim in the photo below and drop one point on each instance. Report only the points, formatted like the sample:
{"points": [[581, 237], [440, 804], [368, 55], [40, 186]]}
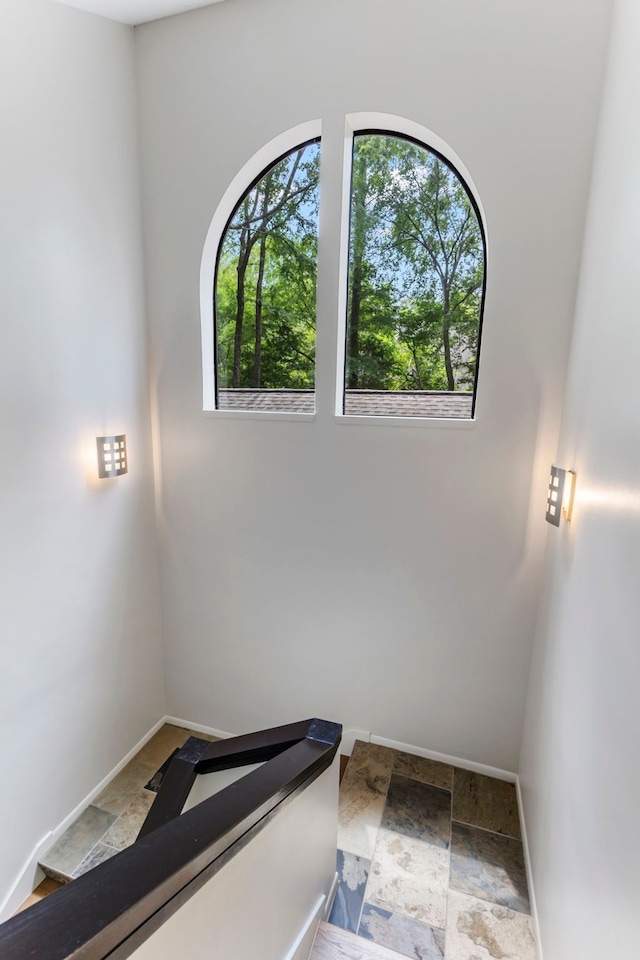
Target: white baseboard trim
{"points": [[31, 874], [527, 862], [27, 880], [349, 737], [332, 896], [301, 947], [198, 727], [482, 768]]}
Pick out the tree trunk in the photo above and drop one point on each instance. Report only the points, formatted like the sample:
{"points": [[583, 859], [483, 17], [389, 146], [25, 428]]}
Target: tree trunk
{"points": [[253, 227], [446, 340], [257, 353], [355, 286], [243, 260]]}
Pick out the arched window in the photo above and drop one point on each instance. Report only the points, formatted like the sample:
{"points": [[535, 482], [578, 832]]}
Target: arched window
{"points": [[411, 282], [416, 282], [265, 290]]}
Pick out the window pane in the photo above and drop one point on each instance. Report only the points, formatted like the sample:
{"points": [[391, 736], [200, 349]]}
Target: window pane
{"points": [[265, 291], [416, 282]]}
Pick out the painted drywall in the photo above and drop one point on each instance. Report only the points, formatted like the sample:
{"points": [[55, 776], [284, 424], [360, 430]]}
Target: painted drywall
{"points": [[81, 679], [383, 577], [266, 901], [580, 773]]}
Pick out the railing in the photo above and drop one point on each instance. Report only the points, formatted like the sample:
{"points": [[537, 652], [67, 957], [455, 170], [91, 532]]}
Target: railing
{"points": [[115, 907]]}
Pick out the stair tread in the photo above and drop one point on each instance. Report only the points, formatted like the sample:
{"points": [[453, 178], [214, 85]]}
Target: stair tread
{"points": [[333, 943]]}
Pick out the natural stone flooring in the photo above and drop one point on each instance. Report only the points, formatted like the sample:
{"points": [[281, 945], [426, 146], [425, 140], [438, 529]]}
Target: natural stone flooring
{"points": [[430, 858], [112, 822], [430, 864]]}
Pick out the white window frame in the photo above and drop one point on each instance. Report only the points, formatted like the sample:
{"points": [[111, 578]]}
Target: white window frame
{"points": [[389, 123], [259, 163], [252, 169]]}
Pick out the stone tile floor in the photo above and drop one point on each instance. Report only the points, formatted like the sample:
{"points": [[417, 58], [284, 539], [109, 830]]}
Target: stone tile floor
{"points": [[430, 864], [112, 822], [430, 858]]}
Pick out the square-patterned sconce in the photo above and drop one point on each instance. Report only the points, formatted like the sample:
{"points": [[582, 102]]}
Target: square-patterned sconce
{"points": [[562, 484], [112, 456]]}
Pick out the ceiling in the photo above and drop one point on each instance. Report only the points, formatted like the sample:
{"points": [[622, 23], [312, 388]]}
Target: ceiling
{"points": [[137, 11]]}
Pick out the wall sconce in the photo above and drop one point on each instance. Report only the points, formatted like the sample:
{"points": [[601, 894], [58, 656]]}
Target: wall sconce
{"points": [[112, 456], [562, 486]]}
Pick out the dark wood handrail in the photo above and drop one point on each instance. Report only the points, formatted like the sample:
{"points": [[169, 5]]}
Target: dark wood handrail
{"points": [[115, 907]]}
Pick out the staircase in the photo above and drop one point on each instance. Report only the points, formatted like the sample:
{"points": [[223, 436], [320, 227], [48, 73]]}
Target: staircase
{"points": [[332, 943], [112, 822], [210, 870], [430, 862]]}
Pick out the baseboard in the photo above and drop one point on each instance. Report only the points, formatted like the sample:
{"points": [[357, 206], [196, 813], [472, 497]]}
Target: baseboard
{"points": [[31, 874], [331, 897], [27, 880], [301, 947], [198, 727], [527, 862], [482, 768], [349, 737]]}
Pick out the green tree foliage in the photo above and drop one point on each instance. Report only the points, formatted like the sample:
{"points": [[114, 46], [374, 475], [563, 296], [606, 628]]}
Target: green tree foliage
{"points": [[416, 264], [266, 279], [415, 271]]}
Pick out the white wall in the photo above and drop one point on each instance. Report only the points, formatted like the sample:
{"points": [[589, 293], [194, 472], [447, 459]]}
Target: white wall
{"points": [[580, 766], [267, 900], [381, 577], [81, 661]]}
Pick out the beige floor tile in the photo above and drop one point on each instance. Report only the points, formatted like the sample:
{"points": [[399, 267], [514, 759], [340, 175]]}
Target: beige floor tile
{"points": [[126, 828], [125, 786], [410, 877], [162, 744], [420, 768], [486, 802], [477, 930], [363, 793], [371, 759]]}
